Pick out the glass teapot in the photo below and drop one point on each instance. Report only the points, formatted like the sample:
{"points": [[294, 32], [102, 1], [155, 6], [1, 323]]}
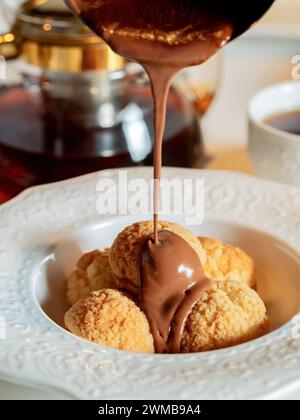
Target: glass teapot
{"points": [[69, 105]]}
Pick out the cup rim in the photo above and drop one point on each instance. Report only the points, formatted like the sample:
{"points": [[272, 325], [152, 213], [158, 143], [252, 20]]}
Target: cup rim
{"points": [[263, 125]]}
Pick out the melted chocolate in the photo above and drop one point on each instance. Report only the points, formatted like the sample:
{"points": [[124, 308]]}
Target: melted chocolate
{"points": [[172, 281]]}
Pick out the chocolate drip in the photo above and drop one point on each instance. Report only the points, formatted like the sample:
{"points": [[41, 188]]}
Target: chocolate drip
{"points": [[172, 280], [160, 83]]}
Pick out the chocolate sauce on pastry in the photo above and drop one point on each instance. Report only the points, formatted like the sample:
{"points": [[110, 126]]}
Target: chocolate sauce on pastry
{"points": [[172, 280]]}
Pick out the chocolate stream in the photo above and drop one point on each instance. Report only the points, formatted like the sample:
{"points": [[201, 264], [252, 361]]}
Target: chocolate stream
{"points": [[160, 84]]}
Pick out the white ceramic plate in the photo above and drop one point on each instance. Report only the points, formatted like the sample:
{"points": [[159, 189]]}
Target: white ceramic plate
{"points": [[43, 232]]}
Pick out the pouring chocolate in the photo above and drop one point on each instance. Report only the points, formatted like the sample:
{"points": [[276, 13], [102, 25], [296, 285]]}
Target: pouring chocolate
{"points": [[166, 36]]}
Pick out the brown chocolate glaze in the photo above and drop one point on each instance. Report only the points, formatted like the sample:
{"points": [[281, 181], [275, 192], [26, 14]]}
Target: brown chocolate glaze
{"points": [[172, 280]]}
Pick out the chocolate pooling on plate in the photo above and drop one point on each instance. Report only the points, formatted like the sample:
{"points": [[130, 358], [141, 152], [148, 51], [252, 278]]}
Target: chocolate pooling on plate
{"points": [[172, 280]]}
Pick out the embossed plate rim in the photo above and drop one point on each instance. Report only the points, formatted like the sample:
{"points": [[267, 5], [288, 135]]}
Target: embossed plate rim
{"points": [[36, 352]]}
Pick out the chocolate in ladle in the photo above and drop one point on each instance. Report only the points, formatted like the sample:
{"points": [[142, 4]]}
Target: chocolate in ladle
{"points": [[166, 36]]}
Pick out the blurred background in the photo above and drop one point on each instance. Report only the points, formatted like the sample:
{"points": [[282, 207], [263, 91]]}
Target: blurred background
{"points": [[111, 104], [259, 58]]}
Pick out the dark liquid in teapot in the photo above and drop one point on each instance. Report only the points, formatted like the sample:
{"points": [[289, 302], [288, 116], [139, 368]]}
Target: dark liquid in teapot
{"points": [[44, 140]]}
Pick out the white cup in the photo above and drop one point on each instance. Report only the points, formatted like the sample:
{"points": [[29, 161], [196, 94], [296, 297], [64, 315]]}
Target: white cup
{"points": [[275, 153]]}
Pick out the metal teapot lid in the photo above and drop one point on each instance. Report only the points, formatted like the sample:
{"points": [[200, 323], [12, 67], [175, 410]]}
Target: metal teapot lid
{"points": [[47, 35]]}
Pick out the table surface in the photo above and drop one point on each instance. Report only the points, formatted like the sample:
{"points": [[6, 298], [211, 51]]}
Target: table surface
{"points": [[246, 69]]}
